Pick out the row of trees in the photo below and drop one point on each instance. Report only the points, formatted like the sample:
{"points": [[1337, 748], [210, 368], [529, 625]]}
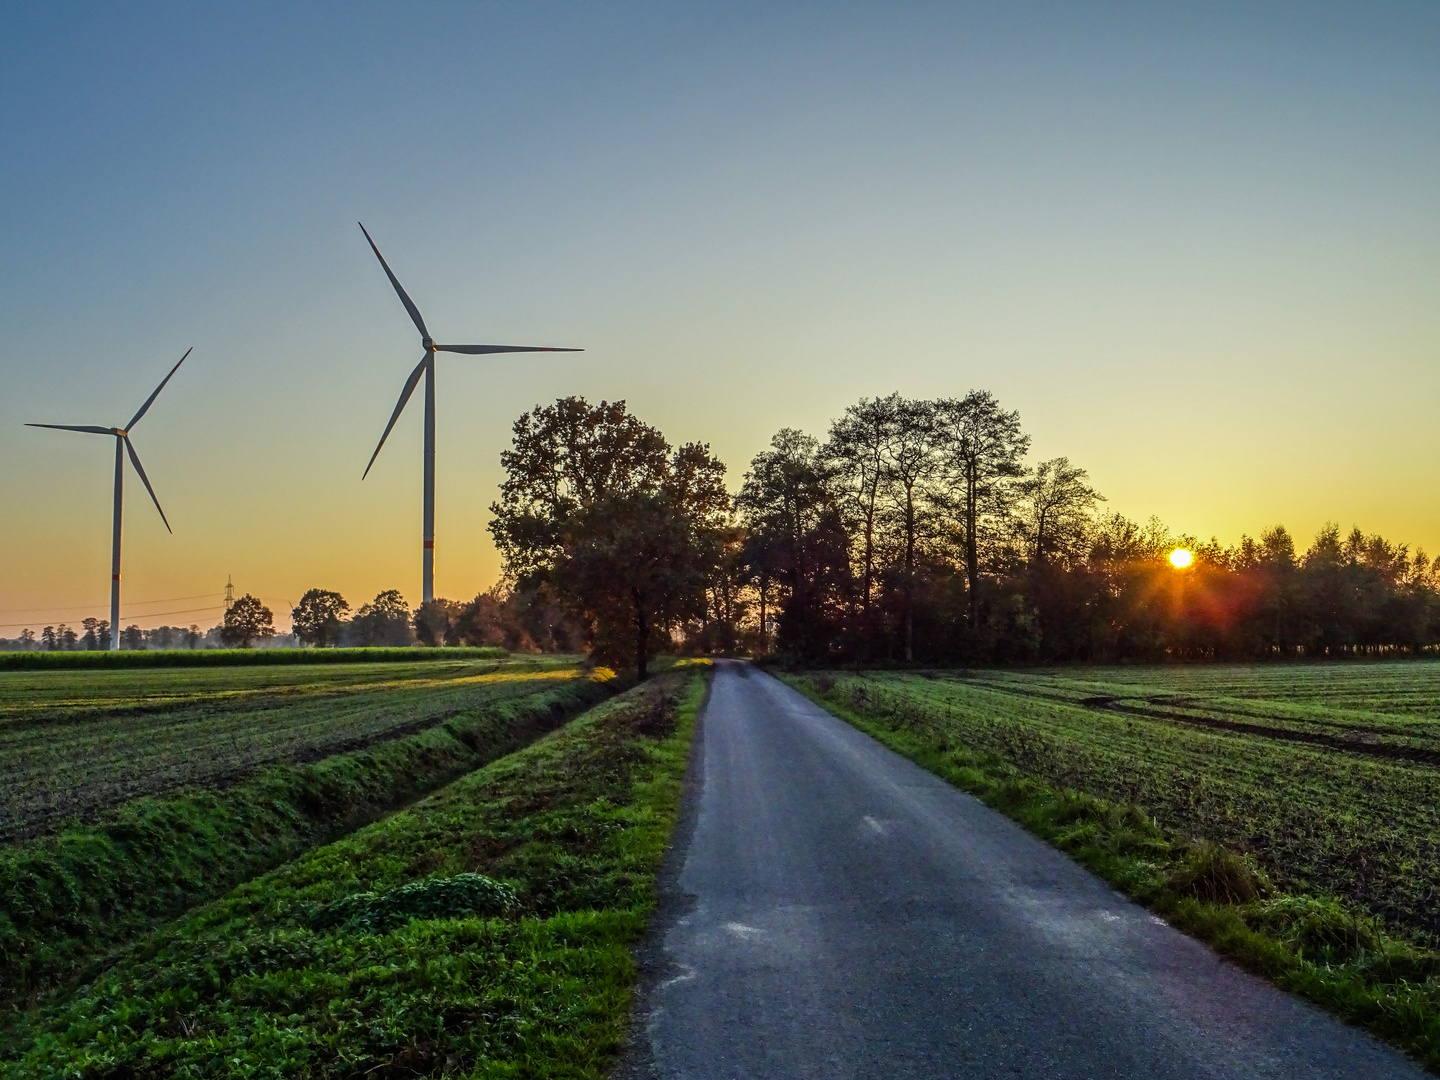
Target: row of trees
{"points": [[95, 634], [917, 531]]}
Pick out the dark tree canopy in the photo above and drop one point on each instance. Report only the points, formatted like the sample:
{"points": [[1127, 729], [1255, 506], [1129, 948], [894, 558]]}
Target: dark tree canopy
{"points": [[597, 508], [317, 617], [247, 620]]}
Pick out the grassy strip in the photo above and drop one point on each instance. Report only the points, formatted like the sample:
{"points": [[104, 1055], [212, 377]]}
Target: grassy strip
{"points": [[66, 898], [284, 978], [1314, 946], [82, 658]]}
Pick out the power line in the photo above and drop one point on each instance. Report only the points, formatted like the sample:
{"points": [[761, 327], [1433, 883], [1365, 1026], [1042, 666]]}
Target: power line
{"points": [[88, 607]]}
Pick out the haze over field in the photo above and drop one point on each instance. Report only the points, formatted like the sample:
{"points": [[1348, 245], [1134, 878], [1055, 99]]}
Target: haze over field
{"points": [[1196, 252]]}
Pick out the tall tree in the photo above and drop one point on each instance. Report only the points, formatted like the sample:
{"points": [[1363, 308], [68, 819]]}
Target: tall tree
{"points": [[798, 540], [563, 457], [595, 506], [909, 466], [855, 453], [316, 618], [1055, 506], [983, 448]]}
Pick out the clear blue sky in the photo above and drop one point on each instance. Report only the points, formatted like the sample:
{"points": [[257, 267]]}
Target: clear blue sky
{"points": [[1198, 249]]}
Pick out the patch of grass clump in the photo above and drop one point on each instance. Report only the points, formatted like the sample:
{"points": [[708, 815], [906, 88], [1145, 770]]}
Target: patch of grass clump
{"points": [[573, 826], [69, 898], [431, 898], [1214, 874], [1319, 946]]}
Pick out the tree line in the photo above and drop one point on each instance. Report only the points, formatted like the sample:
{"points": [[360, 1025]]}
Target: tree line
{"points": [[916, 531]]}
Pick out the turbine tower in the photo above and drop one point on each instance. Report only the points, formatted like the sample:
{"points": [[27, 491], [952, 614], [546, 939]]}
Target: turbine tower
{"points": [[426, 367], [122, 447]]}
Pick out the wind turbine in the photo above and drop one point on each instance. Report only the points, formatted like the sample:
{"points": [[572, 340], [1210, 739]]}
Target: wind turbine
{"points": [[426, 366], [122, 447]]}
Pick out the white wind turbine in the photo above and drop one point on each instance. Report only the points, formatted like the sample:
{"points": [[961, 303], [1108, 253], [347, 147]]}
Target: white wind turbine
{"points": [[122, 447], [426, 366]]}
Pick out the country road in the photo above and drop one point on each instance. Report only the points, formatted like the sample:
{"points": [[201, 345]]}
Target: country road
{"points": [[832, 910]]}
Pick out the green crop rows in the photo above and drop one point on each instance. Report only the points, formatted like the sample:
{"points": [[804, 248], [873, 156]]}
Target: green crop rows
{"points": [[485, 931], [74, 743], [1326, 773]]}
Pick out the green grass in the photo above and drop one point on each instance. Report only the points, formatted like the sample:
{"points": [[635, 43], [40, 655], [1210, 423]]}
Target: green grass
{"points": [[1300, 765], [75, 743], [1229, 834], [82, 658], [266, 983], [68, 898]]}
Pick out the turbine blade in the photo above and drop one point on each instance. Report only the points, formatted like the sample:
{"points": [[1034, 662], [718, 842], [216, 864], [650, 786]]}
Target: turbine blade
{"points": [[477, 350], [399, 408], [90, 428], [135, 460], [153, 396], [399, 289]]}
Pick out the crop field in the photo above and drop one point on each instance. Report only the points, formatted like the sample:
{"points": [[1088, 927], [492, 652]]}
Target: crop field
{"points": [[74, 743], [1328, 774], [483, 931]]}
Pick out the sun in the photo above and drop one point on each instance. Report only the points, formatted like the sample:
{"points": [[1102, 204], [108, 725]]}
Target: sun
{"points": [[1181, 558]]}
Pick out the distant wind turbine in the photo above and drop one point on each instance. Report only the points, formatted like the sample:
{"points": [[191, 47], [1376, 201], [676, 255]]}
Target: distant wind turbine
{"points": [[122, 440], [427, 368]]}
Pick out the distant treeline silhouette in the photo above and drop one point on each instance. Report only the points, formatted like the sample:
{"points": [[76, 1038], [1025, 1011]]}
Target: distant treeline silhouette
{"points": [[916, 532]]}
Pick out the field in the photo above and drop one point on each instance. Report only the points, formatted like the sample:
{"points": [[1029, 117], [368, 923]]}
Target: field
{"points": [[1326, 773], [484, 931], [74, 743], [135, 795]]}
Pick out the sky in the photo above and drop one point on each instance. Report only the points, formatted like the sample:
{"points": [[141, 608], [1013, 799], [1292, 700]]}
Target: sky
{"points": [[1196, 246]]}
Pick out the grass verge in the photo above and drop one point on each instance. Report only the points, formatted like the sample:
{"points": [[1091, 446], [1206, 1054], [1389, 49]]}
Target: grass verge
{"points": [[483, 932], [1315, 946], [104, 658], [67, 899]]}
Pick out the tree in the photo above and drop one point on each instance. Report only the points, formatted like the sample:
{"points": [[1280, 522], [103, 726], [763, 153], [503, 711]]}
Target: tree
{"points": [[798, 540], [435, 622], [1055, 507], [48, 638], [596, 507], [247, 620], [132, 637], [383, 621], [855, 453], [316, 618], [90, 639], [982, 446], [564, 457], [67, 637], [909, 465], [27, 639]]}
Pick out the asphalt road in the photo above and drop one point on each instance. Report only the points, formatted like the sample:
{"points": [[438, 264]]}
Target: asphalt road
{"points": [[834, 911]]}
